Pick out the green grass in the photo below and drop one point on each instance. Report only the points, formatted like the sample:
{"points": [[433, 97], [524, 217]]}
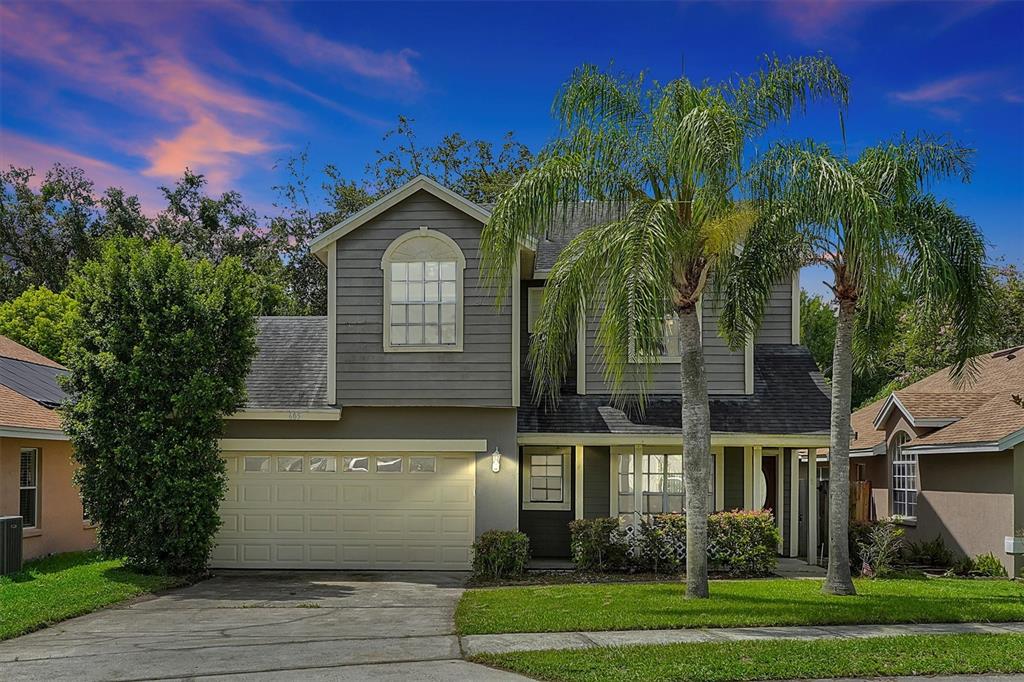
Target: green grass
{"points": [[734, 603], [66, 585], [779, 659]]}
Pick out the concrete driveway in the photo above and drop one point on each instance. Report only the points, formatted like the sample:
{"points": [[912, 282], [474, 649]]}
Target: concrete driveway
{"points": [[263, 625]]}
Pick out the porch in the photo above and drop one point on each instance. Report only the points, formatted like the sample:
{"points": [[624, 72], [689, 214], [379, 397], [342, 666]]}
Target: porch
{"points": [[565, 477]]}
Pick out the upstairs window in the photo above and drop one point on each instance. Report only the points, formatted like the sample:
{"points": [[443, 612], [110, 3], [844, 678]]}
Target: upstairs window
{"points": [[423, 272]]}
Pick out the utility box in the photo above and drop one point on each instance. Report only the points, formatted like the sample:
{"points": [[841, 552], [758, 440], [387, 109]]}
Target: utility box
{"points": [[1014, 544], [10, 544]]}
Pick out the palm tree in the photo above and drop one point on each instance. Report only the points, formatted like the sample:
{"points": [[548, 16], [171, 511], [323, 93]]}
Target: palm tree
{"points": [[872, 223], [657, 169]]}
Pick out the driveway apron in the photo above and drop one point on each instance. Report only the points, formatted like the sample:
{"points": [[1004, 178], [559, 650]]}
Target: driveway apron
{"points": [[263, 625]]}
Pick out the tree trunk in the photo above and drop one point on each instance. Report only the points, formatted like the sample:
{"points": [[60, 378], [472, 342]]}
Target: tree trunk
{"points": [[696, 423], [838, 580]]}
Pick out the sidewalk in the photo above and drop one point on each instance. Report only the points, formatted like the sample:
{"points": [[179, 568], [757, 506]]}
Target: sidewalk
{"points": [[538, 641]]}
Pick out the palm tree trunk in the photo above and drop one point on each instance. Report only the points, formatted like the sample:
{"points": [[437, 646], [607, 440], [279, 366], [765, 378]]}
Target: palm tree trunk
{"points": [[696, 422], [838, 580]]}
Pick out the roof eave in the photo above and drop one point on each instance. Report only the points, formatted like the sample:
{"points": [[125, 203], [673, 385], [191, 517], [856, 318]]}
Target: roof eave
{"points": [[319, 245]]}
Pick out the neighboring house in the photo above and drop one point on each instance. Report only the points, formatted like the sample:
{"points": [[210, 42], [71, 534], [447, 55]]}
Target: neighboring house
{"points": [[949, 461], [394, 432], [35, 456]]}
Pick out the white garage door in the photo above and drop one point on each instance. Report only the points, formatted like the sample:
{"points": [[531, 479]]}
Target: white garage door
{"points": [[347, 510]]}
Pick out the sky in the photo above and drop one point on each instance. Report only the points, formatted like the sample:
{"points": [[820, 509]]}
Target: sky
{"points": [[135, 92]]}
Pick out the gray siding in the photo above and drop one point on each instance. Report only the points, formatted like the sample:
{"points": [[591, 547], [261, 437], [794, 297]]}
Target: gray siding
{"points": [[777, 324], [596, 482], [480, 375], [733, 483], [724, 367]]}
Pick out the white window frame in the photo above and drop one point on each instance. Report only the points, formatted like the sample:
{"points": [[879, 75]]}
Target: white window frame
{"points": [[420, 246], [566, 503], [674, 357], [36, 461], [645, 494], [904, 468], [635, 455]]}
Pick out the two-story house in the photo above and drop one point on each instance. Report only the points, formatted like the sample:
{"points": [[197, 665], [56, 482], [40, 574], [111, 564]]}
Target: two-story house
{"points": [[396, 430]]}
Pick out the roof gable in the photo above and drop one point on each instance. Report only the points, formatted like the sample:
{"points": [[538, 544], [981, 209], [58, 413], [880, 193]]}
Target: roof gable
{"points": [[419, 183]]}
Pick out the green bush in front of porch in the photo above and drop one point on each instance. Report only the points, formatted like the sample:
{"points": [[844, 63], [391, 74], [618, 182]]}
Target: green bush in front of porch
{"points": [[740, 544]]}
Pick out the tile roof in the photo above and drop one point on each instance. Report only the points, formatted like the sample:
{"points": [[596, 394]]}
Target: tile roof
{"points": [[14, 350], [983, 409], [290, 367], [28, 387], [789, 397]]}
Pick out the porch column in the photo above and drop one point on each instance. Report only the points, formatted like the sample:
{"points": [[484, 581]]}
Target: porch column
{"points": [[719, 453], [748, 468], [780, 493], [812, 506], [794, 503], [756, 483], [638, 479], [579, 481]]}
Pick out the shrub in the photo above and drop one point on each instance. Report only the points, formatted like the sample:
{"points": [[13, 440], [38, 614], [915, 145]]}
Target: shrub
{"points": [[597, 544], [961, 567], [860, 531], [881, 548], [987, 565], [929, 552], [500, 554], [160, 352], [739, 543], [743, 542]]}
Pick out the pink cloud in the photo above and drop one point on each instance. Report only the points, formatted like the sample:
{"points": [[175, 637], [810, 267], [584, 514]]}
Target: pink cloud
{"points": [[963, 87], [24, 152], [302, 47], [205, 145], [814, 19]]}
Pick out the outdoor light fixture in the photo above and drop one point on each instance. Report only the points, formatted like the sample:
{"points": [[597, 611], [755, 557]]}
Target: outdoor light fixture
{"points": [[496, 460]]}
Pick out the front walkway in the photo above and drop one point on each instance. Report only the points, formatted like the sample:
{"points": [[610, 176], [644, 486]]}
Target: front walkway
{"points": [[280, 625], [539, 641]]}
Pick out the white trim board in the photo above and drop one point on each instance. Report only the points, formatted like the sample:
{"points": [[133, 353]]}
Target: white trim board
{"points": [[297, 415], [32, 434], [717, 439], [351, 445], [420, 182]]}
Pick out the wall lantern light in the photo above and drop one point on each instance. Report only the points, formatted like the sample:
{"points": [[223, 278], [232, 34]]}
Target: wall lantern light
{"points": [[496, 460]]}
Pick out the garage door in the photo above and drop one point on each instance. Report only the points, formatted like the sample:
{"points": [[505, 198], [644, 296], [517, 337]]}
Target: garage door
{"points": [[347, 510]]}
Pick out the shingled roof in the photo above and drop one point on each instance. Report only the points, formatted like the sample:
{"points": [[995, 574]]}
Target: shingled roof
{"points": [[981, 412], [28, 388], [789, 397], [290, 367]]}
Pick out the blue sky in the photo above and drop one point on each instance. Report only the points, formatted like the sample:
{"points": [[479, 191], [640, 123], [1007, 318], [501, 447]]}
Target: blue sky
{"points": [[135, 92]]}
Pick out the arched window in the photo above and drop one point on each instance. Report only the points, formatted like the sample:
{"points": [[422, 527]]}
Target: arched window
{"points": [[904, 477], [423, 295]]}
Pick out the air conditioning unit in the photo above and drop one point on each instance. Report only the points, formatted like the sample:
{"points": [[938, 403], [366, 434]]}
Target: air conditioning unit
{"points": [[10, 544]]}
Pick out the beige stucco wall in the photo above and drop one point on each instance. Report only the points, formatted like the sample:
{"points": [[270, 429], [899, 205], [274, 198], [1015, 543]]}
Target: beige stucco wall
{"points": [[60, 527], [967, 499]]}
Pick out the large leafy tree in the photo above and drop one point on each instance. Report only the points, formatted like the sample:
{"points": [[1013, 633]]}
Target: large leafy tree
{"points": [[160, 352], [871, 222], [45, 232], [41, 320], [658, 168], [220, 227], [477, 169]]}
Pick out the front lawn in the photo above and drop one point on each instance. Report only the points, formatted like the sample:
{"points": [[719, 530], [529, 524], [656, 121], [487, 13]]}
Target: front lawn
{"points": [[66, 585], [779, 659], [735, 603]]}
